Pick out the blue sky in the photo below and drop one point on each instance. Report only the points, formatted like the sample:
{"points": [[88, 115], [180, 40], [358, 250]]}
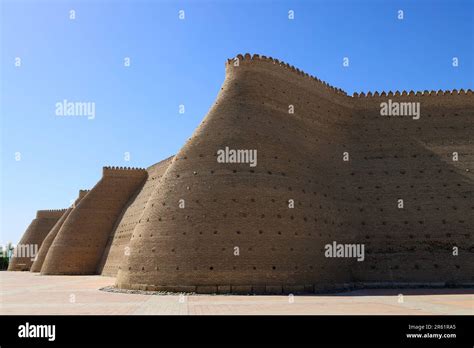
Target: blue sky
{"points": [[177, 62]]}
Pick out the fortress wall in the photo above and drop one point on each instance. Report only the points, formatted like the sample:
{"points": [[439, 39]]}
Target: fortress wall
{"points": [[33, 238], [200, 225], [81, 240], [300, 158], [234, 205], [119, 239], [48, 240], [398, 157]]}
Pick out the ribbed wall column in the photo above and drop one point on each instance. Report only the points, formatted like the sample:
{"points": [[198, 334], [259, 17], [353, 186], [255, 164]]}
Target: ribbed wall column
{"points": [[33, 238], [119, 239], [48, 241], [81, 241]]}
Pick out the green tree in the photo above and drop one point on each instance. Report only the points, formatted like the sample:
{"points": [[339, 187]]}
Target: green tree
{"points": [[5, 254]]}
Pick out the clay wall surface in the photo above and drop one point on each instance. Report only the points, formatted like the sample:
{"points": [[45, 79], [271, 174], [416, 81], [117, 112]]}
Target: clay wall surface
{"points": [[81, 240], [34, 236], [120, 237], [396, 158]]}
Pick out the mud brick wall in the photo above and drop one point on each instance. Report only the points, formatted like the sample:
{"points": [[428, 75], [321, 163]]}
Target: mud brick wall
{"points": [[300, 157], [117, 245], [34, 236], [48, 240], [330, 168], [81, 241]]}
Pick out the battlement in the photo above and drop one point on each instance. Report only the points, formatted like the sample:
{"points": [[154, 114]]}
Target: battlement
{"points": [[123, 171], [50, 214], [258, 59], [82, 193], [413, 94], [247, 59]]}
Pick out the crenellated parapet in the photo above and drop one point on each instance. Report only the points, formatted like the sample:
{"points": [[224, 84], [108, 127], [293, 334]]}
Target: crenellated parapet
{"points": [[259, 59], [425, 93], [124, 171], [248, 59], [82, 193], [431, 99], [50, 214]]}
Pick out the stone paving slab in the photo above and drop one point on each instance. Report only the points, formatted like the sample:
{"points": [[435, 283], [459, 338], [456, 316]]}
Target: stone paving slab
{"points": [[30, 293]]}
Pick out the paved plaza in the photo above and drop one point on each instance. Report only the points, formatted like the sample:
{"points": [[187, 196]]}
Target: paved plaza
{"points": [[29, 293]]}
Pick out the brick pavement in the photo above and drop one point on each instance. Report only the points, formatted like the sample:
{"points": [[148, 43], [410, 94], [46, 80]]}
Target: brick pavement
{"points": [[29, 293]]}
